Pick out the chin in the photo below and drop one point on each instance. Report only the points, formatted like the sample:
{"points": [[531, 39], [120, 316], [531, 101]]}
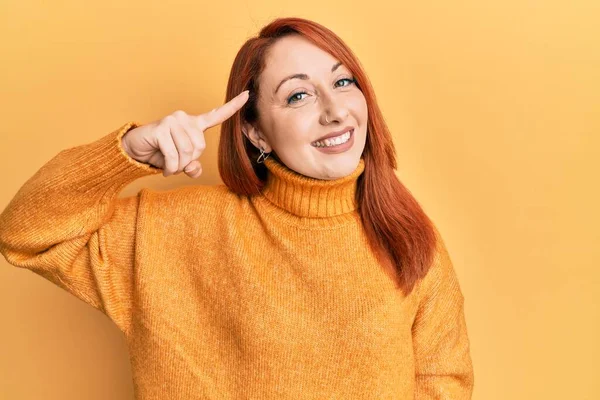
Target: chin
{"points": [[339, 167], [324, 166]]}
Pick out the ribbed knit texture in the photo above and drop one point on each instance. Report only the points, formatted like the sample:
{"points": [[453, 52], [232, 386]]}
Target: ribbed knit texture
{"points": [[221, 296]]}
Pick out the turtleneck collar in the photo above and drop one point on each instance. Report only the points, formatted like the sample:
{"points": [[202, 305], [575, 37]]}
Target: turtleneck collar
{"points": [[304, 196]]}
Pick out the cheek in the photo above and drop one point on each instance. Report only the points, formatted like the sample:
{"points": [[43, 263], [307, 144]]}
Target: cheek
{"points": [[361, 108], [357, 105], [295, 128]]}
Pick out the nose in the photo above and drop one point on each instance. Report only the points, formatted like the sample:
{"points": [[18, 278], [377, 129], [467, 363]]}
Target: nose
{"points": [[333, 110]]}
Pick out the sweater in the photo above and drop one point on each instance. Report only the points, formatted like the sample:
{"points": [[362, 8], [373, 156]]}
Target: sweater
{"points": [[222, 296]]}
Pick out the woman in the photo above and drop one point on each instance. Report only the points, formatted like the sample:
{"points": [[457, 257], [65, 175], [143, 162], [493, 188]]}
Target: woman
{"points": [[312, 273]]}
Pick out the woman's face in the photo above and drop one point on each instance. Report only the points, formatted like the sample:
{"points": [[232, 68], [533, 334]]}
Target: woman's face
{"points": [[294, 113]]}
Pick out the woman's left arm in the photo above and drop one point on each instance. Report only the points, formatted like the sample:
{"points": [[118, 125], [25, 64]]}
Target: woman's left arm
{"points": [[443, 365]]}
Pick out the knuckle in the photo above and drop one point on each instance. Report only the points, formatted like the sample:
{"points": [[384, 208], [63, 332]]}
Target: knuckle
{"points": [[169, 119], [187, 149], [200, 122], [179, 114]]}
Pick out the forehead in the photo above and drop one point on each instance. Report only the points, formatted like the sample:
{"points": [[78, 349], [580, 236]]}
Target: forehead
{"points": [[294, 54]]}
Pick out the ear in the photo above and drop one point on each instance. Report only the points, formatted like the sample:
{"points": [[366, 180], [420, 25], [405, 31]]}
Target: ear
{"points": [[256, 137]]}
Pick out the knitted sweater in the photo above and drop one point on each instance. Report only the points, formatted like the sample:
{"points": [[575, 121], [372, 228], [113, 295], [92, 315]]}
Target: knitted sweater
{"points": [[220, 296]]}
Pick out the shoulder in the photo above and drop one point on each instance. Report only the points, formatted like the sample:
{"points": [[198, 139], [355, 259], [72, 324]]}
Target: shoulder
{"points": [[195, 198]]}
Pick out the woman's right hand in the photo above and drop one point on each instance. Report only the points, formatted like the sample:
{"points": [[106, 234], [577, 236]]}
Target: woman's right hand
{"points": [[176, 141]]}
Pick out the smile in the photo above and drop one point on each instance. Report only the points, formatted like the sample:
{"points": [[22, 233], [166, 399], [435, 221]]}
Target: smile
{"points": [[335, 145], [334, 141]]}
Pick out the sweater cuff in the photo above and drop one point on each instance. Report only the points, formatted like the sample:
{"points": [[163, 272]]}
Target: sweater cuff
{"points": [[103, 163], [111, 151]]}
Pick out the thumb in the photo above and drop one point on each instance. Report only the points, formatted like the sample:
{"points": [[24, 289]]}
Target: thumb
{"points": [[192, 166]]}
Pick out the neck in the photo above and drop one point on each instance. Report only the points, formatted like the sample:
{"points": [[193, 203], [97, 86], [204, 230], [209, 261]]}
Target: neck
{"points": [[309, 197]]}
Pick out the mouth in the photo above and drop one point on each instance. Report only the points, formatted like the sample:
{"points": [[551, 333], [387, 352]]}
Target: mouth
{"points": [[334, 141]]}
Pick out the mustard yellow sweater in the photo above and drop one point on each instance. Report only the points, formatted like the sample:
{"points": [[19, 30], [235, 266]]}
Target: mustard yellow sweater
{"points": [[226, 297]]}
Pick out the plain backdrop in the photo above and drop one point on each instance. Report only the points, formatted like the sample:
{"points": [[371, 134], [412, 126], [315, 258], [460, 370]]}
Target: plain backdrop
{"points": [[494, 108]]}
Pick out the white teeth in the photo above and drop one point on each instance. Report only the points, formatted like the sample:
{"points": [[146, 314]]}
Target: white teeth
{"points": [[333, 141]]}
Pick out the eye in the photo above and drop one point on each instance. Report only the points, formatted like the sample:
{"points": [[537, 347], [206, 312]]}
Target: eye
{"points": [[289, 101], [293, 97], [350, 81]]}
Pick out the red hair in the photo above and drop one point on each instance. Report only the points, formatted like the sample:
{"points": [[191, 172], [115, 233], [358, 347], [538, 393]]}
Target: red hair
{"points": [[399, 232]]}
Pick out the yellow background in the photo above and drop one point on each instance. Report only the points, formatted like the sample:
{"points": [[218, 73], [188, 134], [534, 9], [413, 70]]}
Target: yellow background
{"points": [[494, 107]]}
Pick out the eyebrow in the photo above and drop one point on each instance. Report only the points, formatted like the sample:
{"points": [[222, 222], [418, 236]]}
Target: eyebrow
{"points": [[302, 76]]}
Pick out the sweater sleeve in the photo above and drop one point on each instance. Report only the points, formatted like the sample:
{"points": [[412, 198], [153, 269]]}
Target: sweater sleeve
{"points": [[67, 225], [443, 366]]}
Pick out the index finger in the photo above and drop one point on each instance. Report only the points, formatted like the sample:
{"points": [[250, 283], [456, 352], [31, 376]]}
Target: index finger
{"points": [[220, 114]]}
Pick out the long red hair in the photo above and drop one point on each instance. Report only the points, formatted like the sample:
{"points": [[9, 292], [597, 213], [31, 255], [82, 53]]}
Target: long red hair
{"points": [[399, 232]]}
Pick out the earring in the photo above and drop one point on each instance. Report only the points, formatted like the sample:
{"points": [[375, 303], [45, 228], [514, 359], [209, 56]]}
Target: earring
{"points": [[262, 154]]}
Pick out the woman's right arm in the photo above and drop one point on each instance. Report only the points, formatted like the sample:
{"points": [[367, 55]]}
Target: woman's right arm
{"points": [[67, 224]]}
